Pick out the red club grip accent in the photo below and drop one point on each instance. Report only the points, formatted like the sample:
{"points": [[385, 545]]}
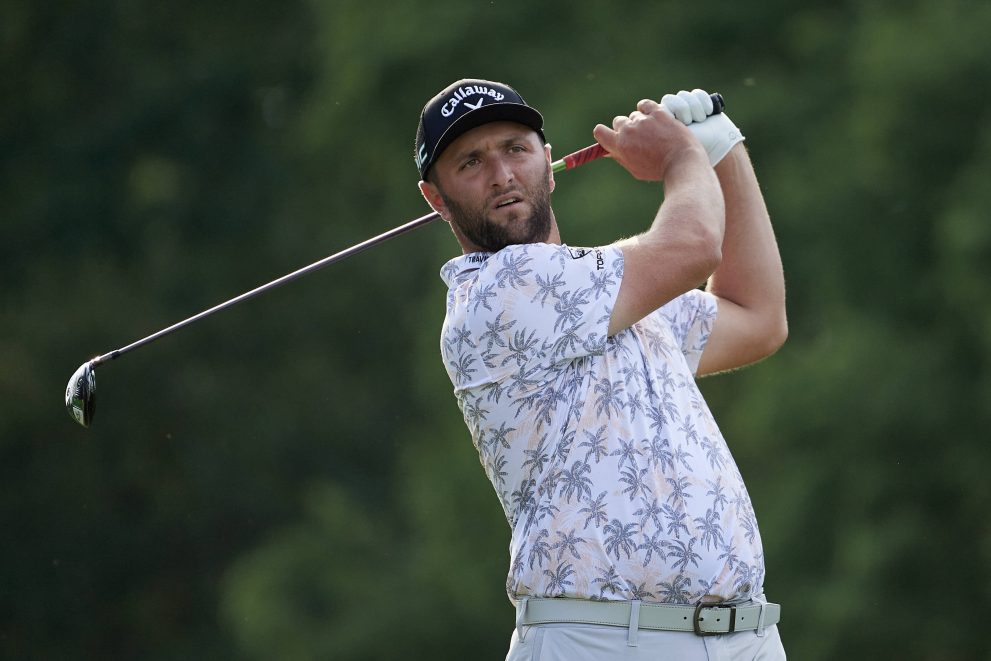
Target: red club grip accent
{"points": [[583, 156]]}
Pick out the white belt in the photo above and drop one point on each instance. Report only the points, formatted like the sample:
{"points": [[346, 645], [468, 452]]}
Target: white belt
{"points": [[703, 619]]}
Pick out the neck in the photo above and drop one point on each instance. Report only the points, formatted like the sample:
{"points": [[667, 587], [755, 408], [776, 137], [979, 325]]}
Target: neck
{"points": [[467, 246]]}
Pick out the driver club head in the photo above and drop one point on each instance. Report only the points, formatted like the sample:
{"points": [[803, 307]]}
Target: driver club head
{"points": [[80, 394]]}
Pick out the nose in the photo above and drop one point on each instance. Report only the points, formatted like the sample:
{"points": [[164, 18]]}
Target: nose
{"points": [[502, 173]]}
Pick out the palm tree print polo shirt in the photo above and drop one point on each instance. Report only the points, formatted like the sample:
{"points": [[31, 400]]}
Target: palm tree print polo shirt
{"points": [[615, 479]]}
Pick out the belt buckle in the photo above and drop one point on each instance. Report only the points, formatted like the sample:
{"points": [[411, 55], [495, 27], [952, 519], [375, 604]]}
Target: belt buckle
{"points": [[698, 611]]}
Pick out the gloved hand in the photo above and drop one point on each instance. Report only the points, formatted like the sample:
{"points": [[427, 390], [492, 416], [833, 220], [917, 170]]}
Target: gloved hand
{"points": [[717, 133]]}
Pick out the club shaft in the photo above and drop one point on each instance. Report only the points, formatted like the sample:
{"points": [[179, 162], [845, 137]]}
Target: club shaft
{"points": [[315, 266], [289, 277]]}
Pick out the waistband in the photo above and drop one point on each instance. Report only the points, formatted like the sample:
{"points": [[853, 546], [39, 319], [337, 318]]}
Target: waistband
{"points": [[702, 619]]}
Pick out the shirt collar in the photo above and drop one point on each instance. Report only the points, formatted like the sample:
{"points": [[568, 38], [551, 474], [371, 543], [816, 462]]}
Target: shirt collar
{"points": [[462, 267]]}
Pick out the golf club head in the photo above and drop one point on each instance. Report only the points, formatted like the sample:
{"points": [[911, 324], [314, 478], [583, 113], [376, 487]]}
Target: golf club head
{"points": [[80, 394]]}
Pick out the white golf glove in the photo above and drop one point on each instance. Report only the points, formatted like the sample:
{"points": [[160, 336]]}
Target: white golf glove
{"points": [[717, 133]]}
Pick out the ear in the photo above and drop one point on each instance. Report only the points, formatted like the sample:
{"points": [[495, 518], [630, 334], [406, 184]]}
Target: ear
{"points": [[433, 197], [547, 155]]}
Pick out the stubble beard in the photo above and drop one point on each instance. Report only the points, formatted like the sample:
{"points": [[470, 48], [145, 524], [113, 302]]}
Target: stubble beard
{"points": [[491, 236]]}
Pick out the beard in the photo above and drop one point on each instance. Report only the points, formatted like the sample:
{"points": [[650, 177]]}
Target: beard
{"points": [[491, 236]]}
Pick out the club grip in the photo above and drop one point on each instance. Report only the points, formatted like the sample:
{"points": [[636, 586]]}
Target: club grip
{"points": [[583, 156], [592, 152]]}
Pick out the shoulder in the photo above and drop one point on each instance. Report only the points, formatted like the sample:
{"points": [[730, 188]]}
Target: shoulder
{"points": [[575, 258]]}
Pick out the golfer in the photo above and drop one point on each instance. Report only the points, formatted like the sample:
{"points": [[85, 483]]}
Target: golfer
{"points": [[633, 535]]}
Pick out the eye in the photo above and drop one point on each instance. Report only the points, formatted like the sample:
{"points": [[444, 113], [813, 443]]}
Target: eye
{"points": [[518, 149], [469, 163]]}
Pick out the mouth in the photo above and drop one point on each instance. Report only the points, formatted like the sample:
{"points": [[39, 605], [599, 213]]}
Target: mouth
{"points": [[507, 201]]}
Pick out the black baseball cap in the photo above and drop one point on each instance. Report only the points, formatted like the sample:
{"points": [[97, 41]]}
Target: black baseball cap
{"points": [[462, 106]]}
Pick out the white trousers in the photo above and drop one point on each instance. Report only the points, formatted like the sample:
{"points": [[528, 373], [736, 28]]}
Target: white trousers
{"points": [[575, 642]]}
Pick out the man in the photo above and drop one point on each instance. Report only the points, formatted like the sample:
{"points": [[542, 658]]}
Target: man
{"points": [[575, 371]]}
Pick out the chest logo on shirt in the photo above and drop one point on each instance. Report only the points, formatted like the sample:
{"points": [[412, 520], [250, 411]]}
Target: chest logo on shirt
{"points": [[578, 253]]}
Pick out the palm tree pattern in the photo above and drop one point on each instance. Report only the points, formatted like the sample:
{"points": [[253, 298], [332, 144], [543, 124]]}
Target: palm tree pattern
{"points": [[613, 475]]}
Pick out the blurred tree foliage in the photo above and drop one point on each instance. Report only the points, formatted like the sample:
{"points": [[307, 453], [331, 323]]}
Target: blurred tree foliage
{"points": [[291, 479]]}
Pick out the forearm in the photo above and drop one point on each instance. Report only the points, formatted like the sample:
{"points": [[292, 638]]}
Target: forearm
{"points": [[680, 249], [692, 210], [750, 274]]}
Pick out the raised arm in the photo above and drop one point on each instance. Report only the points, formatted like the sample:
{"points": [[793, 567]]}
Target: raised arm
{"points": [[682, 247], [751, 323], [749, 282]]}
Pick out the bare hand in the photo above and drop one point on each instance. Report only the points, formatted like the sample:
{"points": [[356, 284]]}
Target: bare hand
{"points": [[647, 141]]}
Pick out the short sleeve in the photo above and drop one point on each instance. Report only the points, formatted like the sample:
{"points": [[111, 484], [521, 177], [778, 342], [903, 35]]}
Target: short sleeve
{"points": [[541, 303], [690, 318]]}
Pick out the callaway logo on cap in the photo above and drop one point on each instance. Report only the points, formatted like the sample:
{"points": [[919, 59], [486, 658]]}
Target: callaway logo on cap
{"points": [[463, 106]]}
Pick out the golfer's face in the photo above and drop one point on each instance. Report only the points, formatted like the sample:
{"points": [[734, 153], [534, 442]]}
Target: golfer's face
{"points": [[496, 183]]}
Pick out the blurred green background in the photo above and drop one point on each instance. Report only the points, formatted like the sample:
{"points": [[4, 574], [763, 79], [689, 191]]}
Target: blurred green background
{"points": [[292, 479]]}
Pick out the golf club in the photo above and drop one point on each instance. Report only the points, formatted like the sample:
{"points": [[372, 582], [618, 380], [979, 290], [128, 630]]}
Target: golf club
{"points": [[80, 393]]}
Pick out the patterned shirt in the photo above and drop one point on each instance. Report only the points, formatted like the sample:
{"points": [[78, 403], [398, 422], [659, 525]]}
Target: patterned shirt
{"points": [[615, 479]]}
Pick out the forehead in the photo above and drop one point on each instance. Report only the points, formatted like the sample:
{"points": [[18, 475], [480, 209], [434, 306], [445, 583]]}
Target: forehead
{"points": [[488, 136]]}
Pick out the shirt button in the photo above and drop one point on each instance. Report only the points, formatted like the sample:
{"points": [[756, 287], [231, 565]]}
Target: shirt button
{"points": [[745, 588]]}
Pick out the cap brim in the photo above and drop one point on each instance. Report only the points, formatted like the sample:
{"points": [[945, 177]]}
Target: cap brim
{"points": [[495, 112]]}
